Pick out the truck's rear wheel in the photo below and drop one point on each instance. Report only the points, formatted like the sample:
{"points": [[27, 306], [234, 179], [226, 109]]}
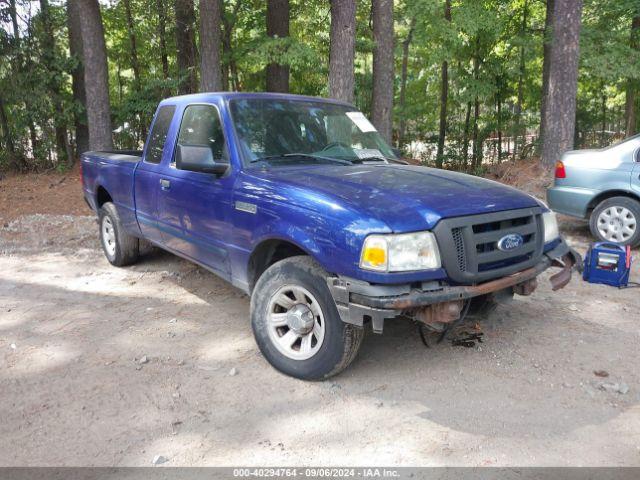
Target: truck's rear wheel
{"points": [[616, 219], [119, 247], [296, 323]]}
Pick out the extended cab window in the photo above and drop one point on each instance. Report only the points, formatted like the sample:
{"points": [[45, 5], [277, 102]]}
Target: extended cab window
{"points": [[201, 127], [159, 134]]}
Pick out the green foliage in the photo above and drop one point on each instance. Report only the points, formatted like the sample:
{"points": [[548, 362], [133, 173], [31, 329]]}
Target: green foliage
{"points": [[493, 49]]}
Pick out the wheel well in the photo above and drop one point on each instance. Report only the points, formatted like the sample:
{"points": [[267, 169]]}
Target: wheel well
{"points": [[609, 194], [268, 253], [102, 196]]}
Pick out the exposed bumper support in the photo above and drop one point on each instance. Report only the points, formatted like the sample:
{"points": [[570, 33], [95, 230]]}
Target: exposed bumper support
{"points": [[357, 301]]}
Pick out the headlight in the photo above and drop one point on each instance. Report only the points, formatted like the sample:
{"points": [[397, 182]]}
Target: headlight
{"points": [[400, 253], [550, 226]]}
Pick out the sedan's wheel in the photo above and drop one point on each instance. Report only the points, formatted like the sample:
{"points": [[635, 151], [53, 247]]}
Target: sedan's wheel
{"points": [[616, 224], [296, 323], [616, 220]]}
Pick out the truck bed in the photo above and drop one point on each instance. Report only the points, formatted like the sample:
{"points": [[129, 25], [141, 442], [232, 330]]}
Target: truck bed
{"points": [[112, 171], [114, 156]]}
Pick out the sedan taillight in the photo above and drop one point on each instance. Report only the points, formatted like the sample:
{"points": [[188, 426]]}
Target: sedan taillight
{"points": [[560, 171]]}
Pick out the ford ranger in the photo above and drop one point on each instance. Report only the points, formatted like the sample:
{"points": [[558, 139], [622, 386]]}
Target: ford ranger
{"points": [[299, 202]]}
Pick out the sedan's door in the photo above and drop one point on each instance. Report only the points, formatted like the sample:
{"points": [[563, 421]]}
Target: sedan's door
{"points": [[194, 207]]}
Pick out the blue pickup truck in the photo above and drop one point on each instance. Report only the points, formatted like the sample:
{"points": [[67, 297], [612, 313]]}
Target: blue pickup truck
{"points": [[299, 202]]}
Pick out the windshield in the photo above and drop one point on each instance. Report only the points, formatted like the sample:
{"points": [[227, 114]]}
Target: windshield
{"points": [[305, 131]]}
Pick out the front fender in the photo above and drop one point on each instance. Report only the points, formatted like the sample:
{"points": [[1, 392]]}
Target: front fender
{"points": [[314, 245]]}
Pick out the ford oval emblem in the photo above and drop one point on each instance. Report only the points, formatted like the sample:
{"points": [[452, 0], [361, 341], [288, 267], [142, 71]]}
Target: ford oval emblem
{"points": [[510, 242]]}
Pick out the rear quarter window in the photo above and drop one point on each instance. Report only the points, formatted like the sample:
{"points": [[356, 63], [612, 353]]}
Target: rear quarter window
{"points": [[158, 135]]}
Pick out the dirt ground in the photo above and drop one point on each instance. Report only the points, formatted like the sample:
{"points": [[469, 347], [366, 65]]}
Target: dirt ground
{"points": [[107, 366]]}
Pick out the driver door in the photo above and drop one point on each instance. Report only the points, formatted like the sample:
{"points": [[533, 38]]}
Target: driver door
{"points": [[194, 207]]}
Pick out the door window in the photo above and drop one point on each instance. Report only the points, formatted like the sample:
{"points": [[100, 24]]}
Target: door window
{"points": [[200, 127], [159, 134]]}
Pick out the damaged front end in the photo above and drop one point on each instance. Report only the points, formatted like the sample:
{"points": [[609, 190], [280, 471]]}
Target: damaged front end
{"points": [[437, 304]]}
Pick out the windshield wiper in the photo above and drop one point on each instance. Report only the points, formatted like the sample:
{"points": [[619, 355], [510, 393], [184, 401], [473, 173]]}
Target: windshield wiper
{"points": [[285, 156]]}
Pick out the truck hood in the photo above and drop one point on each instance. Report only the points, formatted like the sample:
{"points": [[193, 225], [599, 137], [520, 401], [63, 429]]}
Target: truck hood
{"points": [[406, 198]]}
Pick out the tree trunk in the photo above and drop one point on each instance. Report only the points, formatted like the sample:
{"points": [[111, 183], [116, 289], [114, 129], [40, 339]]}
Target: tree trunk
{"points": [[13, 13], [33, 137], [230, 79], [477, 144], [277, 27], [403, 82], [226, 50], [162, 36], [520, 95], [17, 68], [603, 139], [382, 100], [135, 65], [465, 142], [96, 75], [546, 60], [8, 138], [343, 44], [77, 78], [632, 85], [119, 79], [475, 158], [210, 61], [133, 54], [186, 46], [499, 115], [560, 114], [54, 87], [444, 94]]}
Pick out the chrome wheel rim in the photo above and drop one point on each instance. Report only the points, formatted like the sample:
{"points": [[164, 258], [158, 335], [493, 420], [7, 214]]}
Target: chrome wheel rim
{"points": [[108, 236], [295, 322], [617, 224]]}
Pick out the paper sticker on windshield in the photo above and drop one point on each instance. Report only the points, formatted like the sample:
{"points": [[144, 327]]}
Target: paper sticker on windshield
{"points": [[365, 153], [361, 121]]}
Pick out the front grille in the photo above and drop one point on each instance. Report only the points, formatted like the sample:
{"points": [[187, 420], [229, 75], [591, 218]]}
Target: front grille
{"points": [[469, 245], [460, 253]]}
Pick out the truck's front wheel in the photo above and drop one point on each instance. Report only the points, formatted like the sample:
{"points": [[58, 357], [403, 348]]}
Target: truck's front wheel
{"points": [[296, 323], [119, 247]]}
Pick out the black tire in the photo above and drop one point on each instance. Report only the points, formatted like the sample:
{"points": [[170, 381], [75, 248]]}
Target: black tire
{"points": [[124, 249], [341, 340], [625, 202]]}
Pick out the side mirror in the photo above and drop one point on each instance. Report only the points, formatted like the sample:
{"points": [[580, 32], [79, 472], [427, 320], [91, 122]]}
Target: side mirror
{"points": [[397, 152], [199, 158]]}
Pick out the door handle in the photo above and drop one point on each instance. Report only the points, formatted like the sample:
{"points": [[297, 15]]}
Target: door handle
{"points": [[165, 184]]}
